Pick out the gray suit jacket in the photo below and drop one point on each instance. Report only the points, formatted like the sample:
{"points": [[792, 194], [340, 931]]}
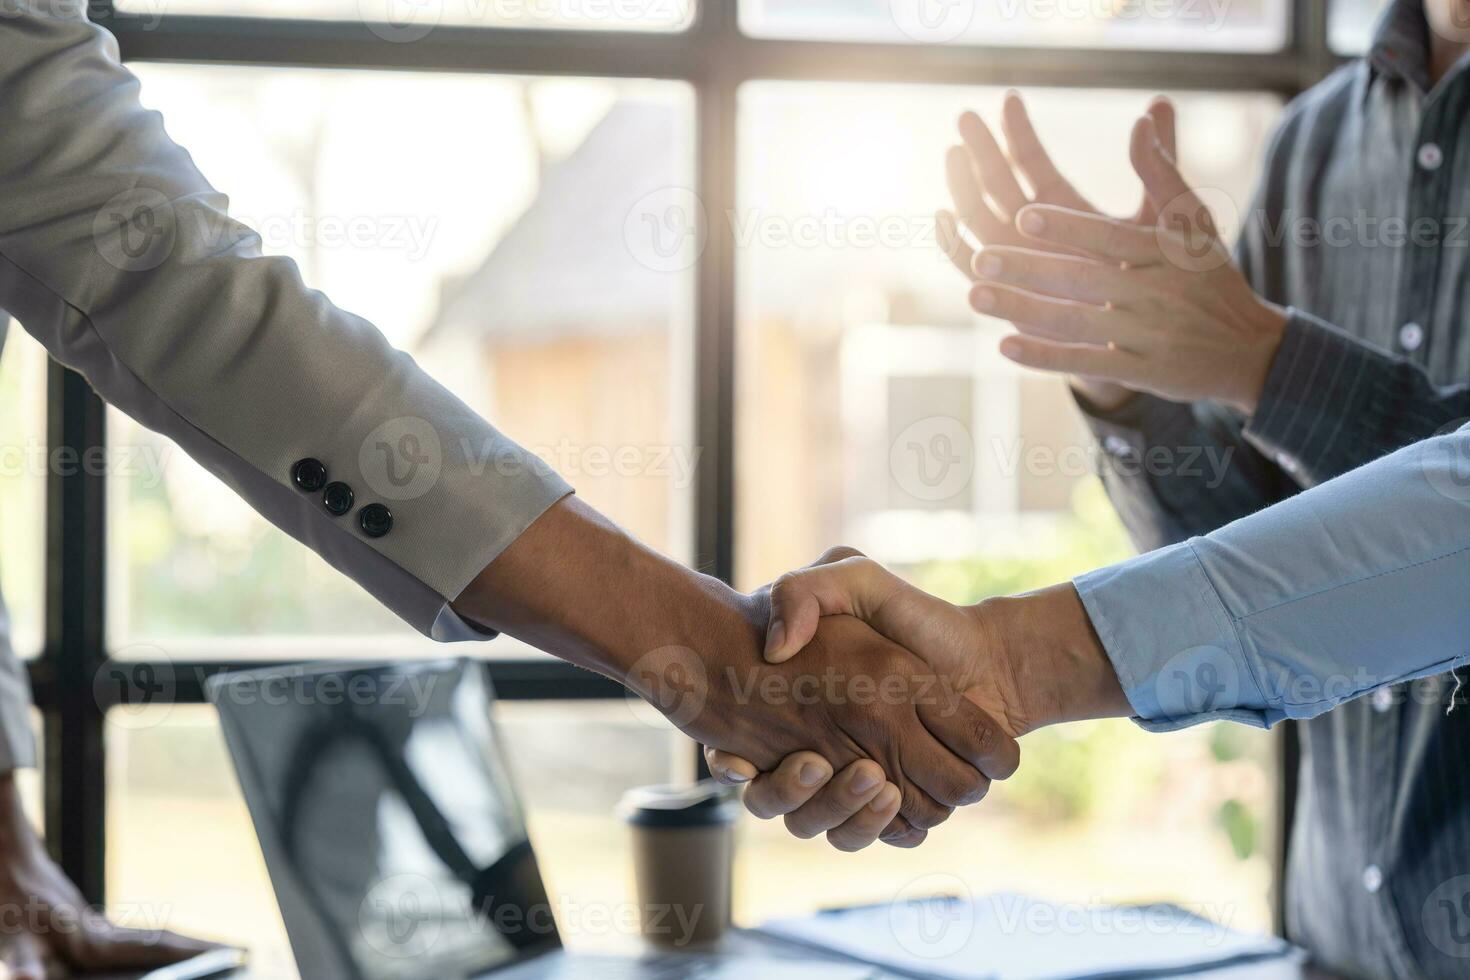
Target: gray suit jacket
{"points": [[119, 257]]}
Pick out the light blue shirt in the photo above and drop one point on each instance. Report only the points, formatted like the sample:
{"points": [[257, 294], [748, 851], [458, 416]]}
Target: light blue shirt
{"points": [[1361, 582]]}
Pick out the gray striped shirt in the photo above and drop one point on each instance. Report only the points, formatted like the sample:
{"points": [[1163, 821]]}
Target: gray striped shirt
{"points": [[1362, 226]]}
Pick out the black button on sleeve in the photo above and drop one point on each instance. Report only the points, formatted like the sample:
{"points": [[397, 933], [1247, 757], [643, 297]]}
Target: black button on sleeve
{"points": [[309, 475], [337, 499], [375, 520]]}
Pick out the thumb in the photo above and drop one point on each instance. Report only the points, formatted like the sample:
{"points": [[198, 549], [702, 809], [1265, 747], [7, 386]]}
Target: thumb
{"points": [[1161, 111], [1178, 207], [842, 583]]}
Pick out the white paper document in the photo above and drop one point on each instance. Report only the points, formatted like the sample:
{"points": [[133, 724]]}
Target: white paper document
{"points": [[1013, 937]]}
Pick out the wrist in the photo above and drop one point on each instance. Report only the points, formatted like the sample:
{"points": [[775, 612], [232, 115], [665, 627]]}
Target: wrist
{"points": [[1059, 666], [1258, 356], [579, 587]]}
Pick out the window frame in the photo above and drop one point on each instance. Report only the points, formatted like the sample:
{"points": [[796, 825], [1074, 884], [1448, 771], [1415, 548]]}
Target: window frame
{"points": [[715, 58]]}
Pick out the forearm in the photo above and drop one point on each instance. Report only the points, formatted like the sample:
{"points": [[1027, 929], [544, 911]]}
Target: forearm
{"points": [[1350, 586], [579, 587]]}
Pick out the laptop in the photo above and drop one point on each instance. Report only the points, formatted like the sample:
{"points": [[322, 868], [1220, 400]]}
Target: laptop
{"points": [[395, 842]]}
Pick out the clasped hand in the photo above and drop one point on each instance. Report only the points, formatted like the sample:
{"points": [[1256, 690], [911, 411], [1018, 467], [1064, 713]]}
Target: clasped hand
{"points": [[918, 737], [1151, 304], [1018, 662]]}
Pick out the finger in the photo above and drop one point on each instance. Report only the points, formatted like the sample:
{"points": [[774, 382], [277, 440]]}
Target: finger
{"points": [[969, 201], [839, 801], [1030, 157], [727, 769], [835, 554], [1099, 363], [25, 959], [1059, 276], [959, 252], [799, 599], [922, 811], [908, 838], [789, 600], [867, 825], [795, 781], [1054, 319], [1179, 208], [997, 180], [1094, 234], [1161, 110], [110, 947], [973, 735], [944, 776]]}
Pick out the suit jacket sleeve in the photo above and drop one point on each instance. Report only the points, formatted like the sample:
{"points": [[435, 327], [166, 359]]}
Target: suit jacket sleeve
{"points": [[120, 258]]}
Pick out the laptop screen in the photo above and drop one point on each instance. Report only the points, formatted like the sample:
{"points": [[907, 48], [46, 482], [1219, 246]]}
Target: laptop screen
{"points": [[387, 818]]}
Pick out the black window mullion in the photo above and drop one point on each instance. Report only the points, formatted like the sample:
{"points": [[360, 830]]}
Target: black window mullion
{"points": [[75, 616], [714, 395]]}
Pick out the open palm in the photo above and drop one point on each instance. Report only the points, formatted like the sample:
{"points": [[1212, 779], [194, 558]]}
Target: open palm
{"points": [[990, 185]]}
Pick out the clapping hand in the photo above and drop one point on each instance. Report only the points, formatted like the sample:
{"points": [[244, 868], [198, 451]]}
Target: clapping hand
{"points": [[989, 187]]}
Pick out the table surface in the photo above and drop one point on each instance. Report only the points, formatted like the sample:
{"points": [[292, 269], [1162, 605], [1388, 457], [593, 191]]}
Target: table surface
{"points": [[276, 965]]}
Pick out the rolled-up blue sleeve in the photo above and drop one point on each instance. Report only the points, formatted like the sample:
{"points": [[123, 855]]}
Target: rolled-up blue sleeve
{"points": [[1361, 582]]}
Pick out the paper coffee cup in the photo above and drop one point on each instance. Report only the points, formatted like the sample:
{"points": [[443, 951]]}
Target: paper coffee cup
{"points": [[683, 860]]}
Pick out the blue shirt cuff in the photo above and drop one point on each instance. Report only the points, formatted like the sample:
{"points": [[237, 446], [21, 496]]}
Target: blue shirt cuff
{"points": [[1173, 643]]}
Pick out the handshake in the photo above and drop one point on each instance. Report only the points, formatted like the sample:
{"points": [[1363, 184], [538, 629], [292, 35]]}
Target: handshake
{"points": [[843, 698], [900, 706], [878, 708]]}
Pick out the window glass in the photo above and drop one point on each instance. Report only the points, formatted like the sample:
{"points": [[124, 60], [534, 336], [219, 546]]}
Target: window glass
{"points": [[488, 226], [1253, 25], [873, 410], [182, 853], [25, 462], [1350, 24], [410, 20]]}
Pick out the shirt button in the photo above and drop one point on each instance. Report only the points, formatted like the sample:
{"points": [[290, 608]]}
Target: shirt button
{"points": [[1430, 156], [337, 499], [1381, 699], [1372, 879], [1117, 446], [1411, 336]]}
